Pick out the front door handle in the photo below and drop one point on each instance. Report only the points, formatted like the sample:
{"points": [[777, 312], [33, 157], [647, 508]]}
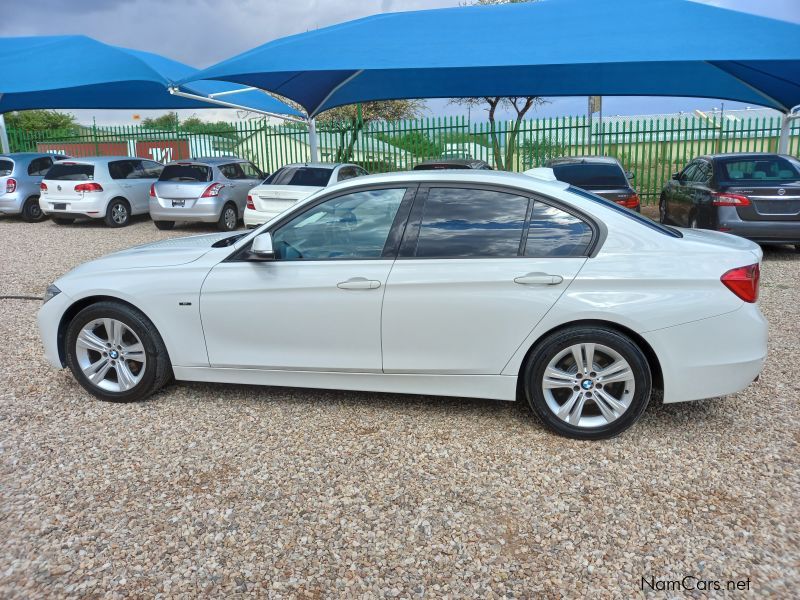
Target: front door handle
{"points": [[539, 279], [359, 283]]}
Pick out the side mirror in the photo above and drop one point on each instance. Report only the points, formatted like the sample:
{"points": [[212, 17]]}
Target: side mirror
{"points": [[261, 248], [630, 175]]}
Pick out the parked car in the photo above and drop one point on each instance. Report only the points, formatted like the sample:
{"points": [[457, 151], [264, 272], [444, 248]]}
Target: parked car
{"points": [[601, 175], [453, 163], [112, 188], [20, 176], [291, 183], [206, 190], [753, 195], [479, 284]]}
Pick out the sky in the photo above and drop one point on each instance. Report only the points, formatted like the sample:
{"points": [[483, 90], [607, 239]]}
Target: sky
{"points": [[202, 32]]}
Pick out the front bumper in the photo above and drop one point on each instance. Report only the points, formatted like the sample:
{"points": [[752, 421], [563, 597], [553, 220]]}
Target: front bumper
{"points": [[48, 319], [765, 232], [712, 357], [11, 204], [203, 210]]}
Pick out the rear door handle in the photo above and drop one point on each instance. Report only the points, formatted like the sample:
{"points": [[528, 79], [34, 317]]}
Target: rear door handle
{"points": [[539, 279], [359, 283]]}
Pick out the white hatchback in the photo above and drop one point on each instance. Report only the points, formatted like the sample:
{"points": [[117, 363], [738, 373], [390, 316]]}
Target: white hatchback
{"points": [[472, 284], [290, 184], [109, 188]]}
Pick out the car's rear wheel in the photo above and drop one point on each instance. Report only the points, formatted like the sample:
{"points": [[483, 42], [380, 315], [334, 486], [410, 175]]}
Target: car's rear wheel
{"points": [[63, 220], [693, 223], [164, 225], [588, 382], [118, 213], [228, 218], [662, 209], [116, 353], [31, 211]]}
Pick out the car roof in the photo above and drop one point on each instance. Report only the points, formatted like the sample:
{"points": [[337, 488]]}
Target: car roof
{"points": [[208, 160], [97, 160], [319, 165], [563, 160], [16, 155], [485, 177], [742, 155], [454, 161]]}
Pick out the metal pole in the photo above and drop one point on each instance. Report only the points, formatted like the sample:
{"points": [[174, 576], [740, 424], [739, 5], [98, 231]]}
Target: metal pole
{"points": [[312, 140], [786, 128], [4, 145]]}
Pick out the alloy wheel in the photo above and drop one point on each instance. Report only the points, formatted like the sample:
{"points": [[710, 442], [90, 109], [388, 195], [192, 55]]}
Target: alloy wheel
{"points": [[588, 385], [119, 213], [230, 218], [110, 354]]}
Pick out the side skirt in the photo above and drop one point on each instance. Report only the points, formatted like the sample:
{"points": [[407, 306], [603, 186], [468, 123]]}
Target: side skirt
{"points": [[495, 387]]}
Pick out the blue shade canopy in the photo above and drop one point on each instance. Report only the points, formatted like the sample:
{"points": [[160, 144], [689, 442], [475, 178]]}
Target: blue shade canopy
{"points": [[80, 72], [547, 48]]}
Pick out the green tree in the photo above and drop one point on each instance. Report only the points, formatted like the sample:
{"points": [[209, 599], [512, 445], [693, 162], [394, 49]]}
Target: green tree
{"points": [[504, 161], [40, 120], [346, 122], [165, 121]]}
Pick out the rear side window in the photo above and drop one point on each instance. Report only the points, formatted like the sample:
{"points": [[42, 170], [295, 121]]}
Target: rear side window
{"points": [[306, 176], [556, 233], [591, 174], [250, 171], [123, 169], [6, 167], [462, 222], [232, 171], [767, 168], [39, 166], [70, 172], [186, 172]]}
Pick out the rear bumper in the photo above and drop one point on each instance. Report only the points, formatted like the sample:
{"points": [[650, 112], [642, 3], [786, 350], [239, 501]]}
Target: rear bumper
{"points": [[254, 218], [94, 208], [711, 357], [766, 232], [204, 210], [11, 204]]}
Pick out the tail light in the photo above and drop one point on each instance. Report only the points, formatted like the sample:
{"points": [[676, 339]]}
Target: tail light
{"points": [[743, 281], [212, 190], [720, 199], [630, 201], [43, 187], [11, 185], [250, 204], [152, 190], [89, 187]]}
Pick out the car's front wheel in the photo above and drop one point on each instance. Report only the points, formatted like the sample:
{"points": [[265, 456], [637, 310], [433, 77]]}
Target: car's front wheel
{"points": [[588, 382], [662, 209], [116, 353]]}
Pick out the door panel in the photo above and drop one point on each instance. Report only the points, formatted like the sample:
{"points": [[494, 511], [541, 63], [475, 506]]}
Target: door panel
{"points": [[466, 315], [294, 315]]}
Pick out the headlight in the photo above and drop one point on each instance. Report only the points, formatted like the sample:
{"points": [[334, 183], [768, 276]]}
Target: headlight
{"points": [[51, 292]]}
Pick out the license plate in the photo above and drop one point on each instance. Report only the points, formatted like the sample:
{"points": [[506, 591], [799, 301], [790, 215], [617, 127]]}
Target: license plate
{"points": [[178, 203], [60, 206]]}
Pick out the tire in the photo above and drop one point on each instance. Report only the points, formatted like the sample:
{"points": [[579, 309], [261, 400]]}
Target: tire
{"points": [[589, 409], [31, 211], [797, 247], [662, 210], [118, 213], [63, 220], [164, 225], [228, 218], [140, 378], [693, 222]]}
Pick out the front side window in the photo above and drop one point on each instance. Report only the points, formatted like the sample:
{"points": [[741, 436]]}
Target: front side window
{"points": [[350, 226], [463, 222], [556, 233], [702, 172], [39, 166], [149, 169]]}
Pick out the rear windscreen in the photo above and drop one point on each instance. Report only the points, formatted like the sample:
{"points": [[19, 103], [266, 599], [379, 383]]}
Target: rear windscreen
{"points": [[770, 168], [70, 172], [6, 167], [590, 175], [185, 173], [310, 176]]}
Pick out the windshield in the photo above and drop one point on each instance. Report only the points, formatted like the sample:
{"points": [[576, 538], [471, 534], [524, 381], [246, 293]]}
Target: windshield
{"points": [[631, 214], [761, 168], [185, 173], [6, 167], [591, 174], [307, 176], [70, 172]]}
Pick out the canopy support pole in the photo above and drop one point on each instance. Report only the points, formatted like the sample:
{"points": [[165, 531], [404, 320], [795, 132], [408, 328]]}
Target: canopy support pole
{"points": [[177, 92], [4, 145], [312, 140], [786, 129]]}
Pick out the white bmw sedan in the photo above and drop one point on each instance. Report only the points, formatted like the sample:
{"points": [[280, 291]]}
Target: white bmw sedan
{"points": [[471, 284]]}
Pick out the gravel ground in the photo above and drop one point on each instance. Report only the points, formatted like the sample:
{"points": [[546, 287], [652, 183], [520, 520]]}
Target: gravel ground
{"points": [[212, 489]]}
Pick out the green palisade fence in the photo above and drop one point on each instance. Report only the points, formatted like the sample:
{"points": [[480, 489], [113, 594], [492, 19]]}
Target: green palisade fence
{"points": [[650, 148]]}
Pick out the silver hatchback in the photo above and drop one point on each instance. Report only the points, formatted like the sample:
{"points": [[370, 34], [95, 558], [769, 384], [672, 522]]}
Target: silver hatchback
{"points": [[21, 174], [206, 190]]}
